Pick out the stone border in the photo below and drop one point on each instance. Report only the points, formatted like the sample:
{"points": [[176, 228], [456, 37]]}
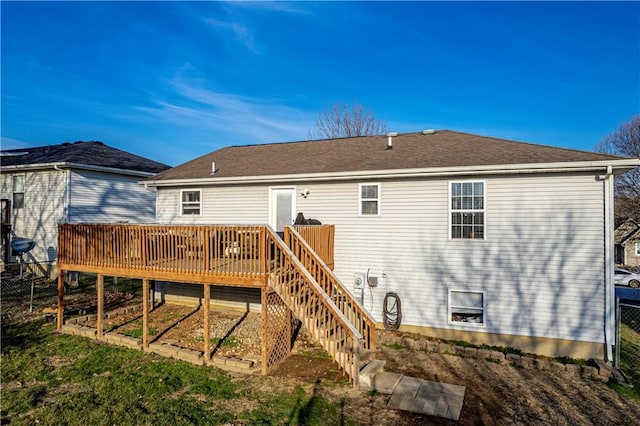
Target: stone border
{"points": [[166, 348], [110, 314], [601, 370]]}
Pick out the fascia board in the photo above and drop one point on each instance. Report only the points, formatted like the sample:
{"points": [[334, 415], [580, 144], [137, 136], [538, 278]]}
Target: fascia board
{"points": [[68, 165], [619, 166]]}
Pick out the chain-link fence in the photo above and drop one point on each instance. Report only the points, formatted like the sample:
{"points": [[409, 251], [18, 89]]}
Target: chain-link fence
{"points": [[23, 294], [628, 340], [32, 294]]}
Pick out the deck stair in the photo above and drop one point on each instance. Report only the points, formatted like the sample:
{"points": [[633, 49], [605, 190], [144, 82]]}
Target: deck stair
{"points": [[322, 303], [369, 372]]}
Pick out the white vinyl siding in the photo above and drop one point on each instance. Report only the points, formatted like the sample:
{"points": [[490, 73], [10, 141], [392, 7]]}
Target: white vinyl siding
{"points": [[44, 193], [545, 230], [104, 198], [230, 205]]}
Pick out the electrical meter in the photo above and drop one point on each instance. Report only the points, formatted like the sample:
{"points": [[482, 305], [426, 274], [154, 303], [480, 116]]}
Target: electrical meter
{"points": [[359, 280]]}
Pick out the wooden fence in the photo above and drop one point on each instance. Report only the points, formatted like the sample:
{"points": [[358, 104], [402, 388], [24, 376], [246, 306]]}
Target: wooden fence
{"points": [[320, 239]]}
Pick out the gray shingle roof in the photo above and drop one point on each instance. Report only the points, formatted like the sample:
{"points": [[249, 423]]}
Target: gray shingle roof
{"points": [[86, 153], [626, 230], [368, 153]]}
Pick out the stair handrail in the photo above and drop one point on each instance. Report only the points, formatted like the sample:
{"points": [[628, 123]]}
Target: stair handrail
{"points": [[353, 369], [336, 284]]}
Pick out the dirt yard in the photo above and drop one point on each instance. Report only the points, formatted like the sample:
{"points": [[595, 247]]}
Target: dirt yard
{"points": [[495, 393]]}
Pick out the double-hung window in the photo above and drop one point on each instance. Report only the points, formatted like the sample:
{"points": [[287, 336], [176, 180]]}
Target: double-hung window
{"points": [[369, 199], [467, 205], [191, 202], [637, 249], [18, 191], [466, 307]]}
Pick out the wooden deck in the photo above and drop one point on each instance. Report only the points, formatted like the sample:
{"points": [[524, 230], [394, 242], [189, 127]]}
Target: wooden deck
{"points": [[294, 277], [224, 255]]}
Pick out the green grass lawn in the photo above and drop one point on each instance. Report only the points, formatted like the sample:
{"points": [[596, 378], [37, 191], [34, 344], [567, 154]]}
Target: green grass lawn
{"points": [[630, 354], [58, 379]]}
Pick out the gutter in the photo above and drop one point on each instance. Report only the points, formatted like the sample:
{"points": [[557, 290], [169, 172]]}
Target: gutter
{"points": [[68, 165], [619, 166]]}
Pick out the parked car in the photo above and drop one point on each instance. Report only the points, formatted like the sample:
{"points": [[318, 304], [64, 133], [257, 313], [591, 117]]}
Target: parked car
{"points": [[627, 278]]}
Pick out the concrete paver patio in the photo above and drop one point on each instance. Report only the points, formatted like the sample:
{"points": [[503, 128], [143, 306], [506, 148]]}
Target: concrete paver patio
{"points": [[421, 396]]}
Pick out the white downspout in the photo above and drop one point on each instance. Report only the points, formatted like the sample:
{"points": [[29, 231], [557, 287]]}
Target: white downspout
{"points": [[609, 295]]}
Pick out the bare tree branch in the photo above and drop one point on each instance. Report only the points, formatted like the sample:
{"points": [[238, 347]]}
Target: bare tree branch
{"points": [[342, 120], [625, 142]]}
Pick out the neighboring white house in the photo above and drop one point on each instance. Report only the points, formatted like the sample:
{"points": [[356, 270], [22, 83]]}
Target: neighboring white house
{"points": [[483, 239], [627, 239], [71, 182]]}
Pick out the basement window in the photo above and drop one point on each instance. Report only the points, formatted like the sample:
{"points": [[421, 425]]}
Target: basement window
{"points": [[190, 202], [466, 307], [18, 191]]}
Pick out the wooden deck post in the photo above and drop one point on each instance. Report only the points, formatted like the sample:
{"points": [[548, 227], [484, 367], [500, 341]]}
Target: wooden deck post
{"points": [[60, 317], [207, 328], [263, 292], [100, 296], [263, 251], [208, 240], [145, 312], [150, 294]]}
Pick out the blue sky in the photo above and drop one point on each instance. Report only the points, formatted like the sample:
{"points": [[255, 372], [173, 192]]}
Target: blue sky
{"points": [[176, 80]]}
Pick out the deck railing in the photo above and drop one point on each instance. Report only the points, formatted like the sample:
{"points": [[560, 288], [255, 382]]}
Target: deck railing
{"points": [[173, 252], [315, 308], [320, 239], [352, 310]]}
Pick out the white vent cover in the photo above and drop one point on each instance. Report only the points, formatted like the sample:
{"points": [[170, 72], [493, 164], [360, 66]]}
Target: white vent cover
{"points": [[390, 140]]}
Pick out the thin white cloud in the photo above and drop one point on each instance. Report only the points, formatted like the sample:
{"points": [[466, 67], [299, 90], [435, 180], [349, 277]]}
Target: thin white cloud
{"points": [[231, 117], [240, 32], [10, 143], [272, 6]]}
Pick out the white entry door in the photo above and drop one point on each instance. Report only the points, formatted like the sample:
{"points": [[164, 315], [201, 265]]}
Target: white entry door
{"points": [[283, 207]]}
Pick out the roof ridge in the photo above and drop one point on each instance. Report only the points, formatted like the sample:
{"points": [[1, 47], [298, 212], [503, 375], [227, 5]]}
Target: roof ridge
{"points": [[84, 153], [538, 145], [304, 141], [66, 143]]}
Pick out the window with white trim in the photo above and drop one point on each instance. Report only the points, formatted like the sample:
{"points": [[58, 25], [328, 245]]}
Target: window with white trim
{"points": [[190, 202], [369, 199], [637, 249], [466, 307], [18, 191], [467, 204]]}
